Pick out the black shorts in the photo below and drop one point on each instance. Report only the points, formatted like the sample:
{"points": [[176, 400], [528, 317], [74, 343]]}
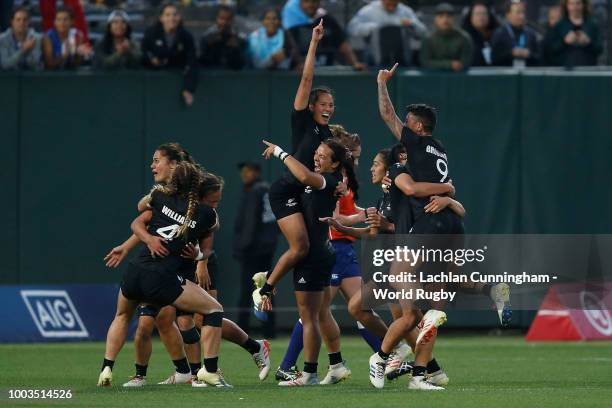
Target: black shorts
{"points": [[443, 231], [313, 275], [151, 285], [444, 222], [285, 197]]}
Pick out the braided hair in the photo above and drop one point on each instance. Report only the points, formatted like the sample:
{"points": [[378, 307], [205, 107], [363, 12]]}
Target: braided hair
{"points": [[185, 183]]}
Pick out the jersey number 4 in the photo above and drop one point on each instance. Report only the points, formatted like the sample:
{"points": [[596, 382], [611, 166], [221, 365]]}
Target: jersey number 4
{"points": [[168, 232], [443, 169]]}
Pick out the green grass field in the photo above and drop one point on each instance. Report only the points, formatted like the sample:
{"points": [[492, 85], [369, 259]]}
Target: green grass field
{"points": [[484, 372]]}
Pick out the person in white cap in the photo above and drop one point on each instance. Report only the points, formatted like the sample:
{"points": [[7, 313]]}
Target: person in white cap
{"points": [[117, 50]]}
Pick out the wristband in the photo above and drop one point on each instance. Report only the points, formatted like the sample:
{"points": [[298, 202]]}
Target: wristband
{"points": [[278, 151], [267, 290], [200, 255]]}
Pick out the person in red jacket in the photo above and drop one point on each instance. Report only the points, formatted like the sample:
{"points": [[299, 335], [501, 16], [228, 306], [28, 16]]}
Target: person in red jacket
{"points": [[47, 11]]}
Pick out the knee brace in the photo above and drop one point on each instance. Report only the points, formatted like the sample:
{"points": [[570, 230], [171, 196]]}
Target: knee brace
{"points": [[191, 336], [213, 319]]}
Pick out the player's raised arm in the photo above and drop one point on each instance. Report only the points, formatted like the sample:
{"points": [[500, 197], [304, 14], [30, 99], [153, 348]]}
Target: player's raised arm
{"points": [[387, 112], [299, 171], [303, 92]]}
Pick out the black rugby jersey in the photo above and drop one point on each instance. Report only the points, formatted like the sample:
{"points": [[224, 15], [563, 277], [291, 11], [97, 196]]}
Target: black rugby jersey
{"points": [[401, 205], [318, 204], [383, 206], [427, 161], [168, 215], [306, 136]]}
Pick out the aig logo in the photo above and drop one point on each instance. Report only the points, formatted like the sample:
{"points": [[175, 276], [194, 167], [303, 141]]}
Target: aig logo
{"points": [[54, 314]]}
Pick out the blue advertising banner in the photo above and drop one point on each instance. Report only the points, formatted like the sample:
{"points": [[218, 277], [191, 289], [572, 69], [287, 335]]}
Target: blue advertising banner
{"points": [[46, 313]]}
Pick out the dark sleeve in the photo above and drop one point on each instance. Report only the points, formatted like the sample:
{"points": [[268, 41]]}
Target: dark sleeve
{"points": [[396, 170], [209, 219], [534, 49], [190, 71], [501, 50], [155, 199], [299, 122], [409, 139], [291, 49], [596, 45], [331, 182], [338, 35], [236, 55]]}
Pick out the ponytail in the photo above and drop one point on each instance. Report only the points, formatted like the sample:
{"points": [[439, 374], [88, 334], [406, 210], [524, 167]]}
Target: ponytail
{"points": [[342, 155]]}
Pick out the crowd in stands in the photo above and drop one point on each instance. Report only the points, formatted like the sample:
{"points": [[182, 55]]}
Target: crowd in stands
{"points": [[380, 33]]}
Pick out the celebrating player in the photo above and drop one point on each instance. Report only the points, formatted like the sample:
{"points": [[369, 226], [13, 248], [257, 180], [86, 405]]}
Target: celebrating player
{"points": [[312, 275], [312, 110], [176, 218]]}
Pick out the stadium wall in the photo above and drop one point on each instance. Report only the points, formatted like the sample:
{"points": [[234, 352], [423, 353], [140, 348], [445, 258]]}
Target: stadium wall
{"points": [[529, 153]]}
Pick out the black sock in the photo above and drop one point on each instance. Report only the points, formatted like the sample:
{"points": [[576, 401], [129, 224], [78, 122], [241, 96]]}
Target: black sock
{"points": [[211, 364], [251, 346], [418, 371], [195, 367], [433, 366], [108, 363], [182, 366], [310, 368], [335, 358], [141, 370], [384, 356], [486, 289]]}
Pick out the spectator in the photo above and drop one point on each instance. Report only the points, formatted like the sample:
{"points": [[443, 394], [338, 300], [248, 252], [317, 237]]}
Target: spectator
{"points": [[515, 44], [20, 45], [221, 46], [480, 23], [270, 46], [379, 14], [554, 15], [447, 48], [255, 236], [293, 15], [64, 46], [117, 50], [576, 39], [168, 45], [48, 12], [334, 40]]}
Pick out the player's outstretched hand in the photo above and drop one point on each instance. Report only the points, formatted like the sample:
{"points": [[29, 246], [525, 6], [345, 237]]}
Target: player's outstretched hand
{"points": [[332, 222], [157, 246], [317, 32], [385, 74], [115, 256], [269, 152]]}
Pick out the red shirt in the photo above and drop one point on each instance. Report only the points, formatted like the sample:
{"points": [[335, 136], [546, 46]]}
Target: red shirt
{"points": [[346, 206]]}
